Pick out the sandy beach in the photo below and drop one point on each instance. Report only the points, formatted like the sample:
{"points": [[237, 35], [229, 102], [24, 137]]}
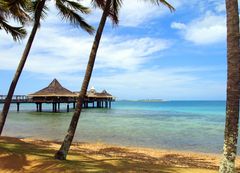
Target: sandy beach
{"points": [[28, 155]]}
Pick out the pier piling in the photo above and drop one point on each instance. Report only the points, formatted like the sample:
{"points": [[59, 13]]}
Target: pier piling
{"points": [[18, 104], [67, 107]]}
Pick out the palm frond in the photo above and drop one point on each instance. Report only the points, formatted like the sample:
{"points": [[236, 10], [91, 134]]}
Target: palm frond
{"points": [[98, 3], [38, 10], [74, 18], [17, 9], [3, 4], [113, 12], [24, 4], [163, 2], [77, 6], [18, 33]]}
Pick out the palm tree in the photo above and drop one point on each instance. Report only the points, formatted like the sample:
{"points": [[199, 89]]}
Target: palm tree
{"points": [[233, 79], [68, 9], [110, 8], [16, 9]]}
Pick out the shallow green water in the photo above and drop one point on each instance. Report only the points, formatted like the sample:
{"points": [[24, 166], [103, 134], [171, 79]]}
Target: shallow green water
{"points": [[184, 125]]}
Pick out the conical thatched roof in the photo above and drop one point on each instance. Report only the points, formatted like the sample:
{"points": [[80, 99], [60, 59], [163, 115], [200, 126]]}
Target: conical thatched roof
{"points": [[54, 89], [103, 94]]}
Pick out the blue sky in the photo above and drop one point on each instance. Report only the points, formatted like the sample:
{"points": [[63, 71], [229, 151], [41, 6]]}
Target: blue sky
{"points": [[151, 54]]}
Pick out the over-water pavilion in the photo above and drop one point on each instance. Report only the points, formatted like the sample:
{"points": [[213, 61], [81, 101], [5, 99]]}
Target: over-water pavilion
{"points": [[56, 94]]}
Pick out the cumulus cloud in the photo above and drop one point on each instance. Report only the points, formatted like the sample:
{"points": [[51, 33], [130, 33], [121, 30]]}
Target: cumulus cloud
{"points": [[210, 25], [208, 29], [63, 53]]}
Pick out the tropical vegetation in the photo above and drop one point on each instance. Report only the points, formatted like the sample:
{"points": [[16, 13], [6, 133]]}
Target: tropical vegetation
{"points": [[68, 10], [27, 11], [14, 9]]}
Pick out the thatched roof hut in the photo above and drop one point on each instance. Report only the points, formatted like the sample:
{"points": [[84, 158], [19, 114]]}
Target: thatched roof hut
{"points": [[103, 94], [54, 89], [56, 92]]}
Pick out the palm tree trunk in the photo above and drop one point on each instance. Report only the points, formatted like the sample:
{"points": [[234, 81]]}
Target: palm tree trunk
{"points": [[21, 66], [63, 151], [233, 80]]}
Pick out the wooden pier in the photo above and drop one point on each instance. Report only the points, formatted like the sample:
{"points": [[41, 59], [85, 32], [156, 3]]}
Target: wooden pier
{"points": [[56, 106], [56, 95]]}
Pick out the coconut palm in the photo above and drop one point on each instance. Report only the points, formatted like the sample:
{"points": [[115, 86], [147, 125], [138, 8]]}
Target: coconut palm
{"points": [[68, 10], [110, 9], [16, 9], [233, 78]]}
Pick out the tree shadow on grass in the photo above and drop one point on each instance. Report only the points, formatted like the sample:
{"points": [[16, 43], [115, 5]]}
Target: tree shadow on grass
{"points": [[19, 156]]}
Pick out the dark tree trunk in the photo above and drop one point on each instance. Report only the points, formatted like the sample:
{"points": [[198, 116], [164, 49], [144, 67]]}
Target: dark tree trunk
{"points": [[232, 108], [63, 151], [20, 66]]}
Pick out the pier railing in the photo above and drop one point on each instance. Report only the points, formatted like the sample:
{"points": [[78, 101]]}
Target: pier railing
{"points": [[15, 99]]}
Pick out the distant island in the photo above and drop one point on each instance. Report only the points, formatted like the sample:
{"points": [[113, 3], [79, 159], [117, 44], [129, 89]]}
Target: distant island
{"points": [[151, 100], [145, 100]]}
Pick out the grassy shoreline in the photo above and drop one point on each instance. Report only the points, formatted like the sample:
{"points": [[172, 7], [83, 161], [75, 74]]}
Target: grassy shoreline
{"points": [[28, 155]]}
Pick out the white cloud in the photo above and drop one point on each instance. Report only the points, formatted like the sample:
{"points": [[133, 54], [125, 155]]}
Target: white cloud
{"points": [[55, 52], [134, 13], [221, 7], [128, 54], [62, 53], [164, 83], [178, 25], [208, 29]]}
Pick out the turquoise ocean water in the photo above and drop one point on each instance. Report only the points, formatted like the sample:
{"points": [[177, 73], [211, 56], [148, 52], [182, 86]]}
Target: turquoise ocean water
{"points": [[181, 125]]}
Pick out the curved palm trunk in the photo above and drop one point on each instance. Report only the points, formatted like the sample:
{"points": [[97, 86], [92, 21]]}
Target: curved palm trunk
{"points": [[63, 151], [20, 66], [232, 109]]}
